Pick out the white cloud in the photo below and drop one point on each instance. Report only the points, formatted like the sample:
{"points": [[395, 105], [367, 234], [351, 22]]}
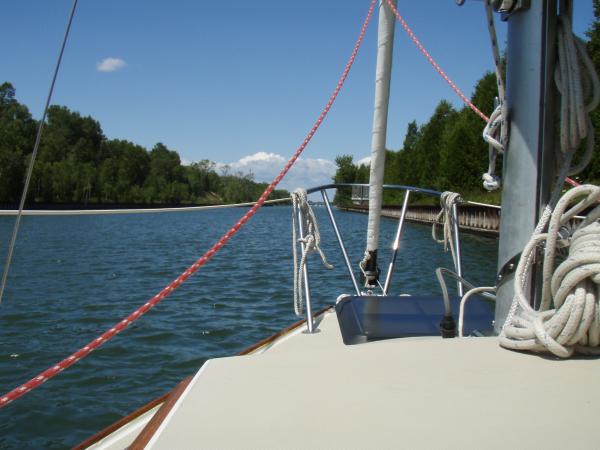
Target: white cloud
{"points": [[110, 64], [305, 173], [366, 161]]}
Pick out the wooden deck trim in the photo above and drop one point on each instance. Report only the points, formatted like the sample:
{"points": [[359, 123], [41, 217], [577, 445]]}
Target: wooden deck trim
{"points": [[121, 422], [144, 437], [175, 393], [283, 332]]}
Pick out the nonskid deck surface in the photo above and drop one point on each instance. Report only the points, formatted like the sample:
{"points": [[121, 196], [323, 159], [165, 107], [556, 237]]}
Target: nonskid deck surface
{"points": [[312, 391]]}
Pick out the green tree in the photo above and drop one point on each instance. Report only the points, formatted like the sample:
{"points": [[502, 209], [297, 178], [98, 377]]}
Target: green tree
{"points": [[17, 134], [76, 163], [165, 169], [428, 146], [68, 133], [123, 171], [346, 173], [447, 152]]}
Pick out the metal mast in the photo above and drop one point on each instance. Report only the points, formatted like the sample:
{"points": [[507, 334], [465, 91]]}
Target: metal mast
{"points": [[529, 166], [385, 44]]}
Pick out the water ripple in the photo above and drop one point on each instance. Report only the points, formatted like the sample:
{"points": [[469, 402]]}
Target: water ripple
{"points": [[75, 277]]}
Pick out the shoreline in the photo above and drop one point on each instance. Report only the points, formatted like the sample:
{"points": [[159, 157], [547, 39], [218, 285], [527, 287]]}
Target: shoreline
{"points": [[123, 209]]}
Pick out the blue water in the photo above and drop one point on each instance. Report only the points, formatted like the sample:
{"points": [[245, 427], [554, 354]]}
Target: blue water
{"points": [[74, 277]]}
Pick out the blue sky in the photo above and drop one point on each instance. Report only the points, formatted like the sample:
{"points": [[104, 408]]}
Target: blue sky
{"points": [[238, 80]]}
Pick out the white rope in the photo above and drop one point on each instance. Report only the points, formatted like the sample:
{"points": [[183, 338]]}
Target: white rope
{"points": [[84, 212], [495, 132], [495, 126], [576, 80], [568, 318], [562, 330], [447, 201], [311, 242]]}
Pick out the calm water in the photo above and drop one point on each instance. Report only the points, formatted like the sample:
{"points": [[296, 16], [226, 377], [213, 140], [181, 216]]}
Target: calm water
{"points": [[74, 277]]}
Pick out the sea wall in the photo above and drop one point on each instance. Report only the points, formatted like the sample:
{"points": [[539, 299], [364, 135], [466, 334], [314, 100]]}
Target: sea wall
{"points": [[481, 219]]}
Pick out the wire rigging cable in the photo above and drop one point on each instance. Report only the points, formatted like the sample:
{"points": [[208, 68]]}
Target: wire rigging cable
{"points": [[93, 345], [36, 146]]}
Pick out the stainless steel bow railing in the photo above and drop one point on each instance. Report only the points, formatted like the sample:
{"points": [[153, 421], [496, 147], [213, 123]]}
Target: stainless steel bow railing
{"points": [[408, 190]]}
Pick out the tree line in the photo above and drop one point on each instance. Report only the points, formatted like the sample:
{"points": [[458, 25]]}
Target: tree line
{"points": [[78, 164], [448, 153]]}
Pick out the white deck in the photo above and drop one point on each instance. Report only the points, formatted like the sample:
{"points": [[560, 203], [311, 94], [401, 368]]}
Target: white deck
{"points": [[312, 391]]}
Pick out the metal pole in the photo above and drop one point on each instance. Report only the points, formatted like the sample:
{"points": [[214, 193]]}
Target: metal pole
{"points": [[396, 244], [458, 262], [385, 43], [309, 317], [340, 241], [529, 165]]}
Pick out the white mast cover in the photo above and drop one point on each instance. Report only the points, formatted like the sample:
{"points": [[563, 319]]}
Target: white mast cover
{"points": [[385, 44]]}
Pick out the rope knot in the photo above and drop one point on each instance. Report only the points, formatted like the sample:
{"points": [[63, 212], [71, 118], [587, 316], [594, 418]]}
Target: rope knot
{"points": [[491, 182], [447, 200], [311, 241]]}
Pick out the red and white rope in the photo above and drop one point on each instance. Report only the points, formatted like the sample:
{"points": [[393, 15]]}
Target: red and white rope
{"points": [[436, 66], [432, 61], [96, 343]]}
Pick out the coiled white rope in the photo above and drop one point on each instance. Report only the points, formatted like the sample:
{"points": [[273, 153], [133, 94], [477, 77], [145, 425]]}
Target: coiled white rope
{"points": [[567, 319], [495, 132], [311, 241], [572, 287]]}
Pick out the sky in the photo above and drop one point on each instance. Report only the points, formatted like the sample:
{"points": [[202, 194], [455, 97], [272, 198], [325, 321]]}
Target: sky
{"points": [[239, 82]]}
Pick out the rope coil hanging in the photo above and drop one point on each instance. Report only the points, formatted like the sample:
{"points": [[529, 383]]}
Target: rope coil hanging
{"points": [[568, 317], [93, 345], [495, 132], [498, 121], [311, 241]]}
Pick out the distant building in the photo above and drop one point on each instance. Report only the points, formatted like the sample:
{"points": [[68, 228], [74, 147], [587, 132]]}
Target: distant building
{"points": [[360, 195]]}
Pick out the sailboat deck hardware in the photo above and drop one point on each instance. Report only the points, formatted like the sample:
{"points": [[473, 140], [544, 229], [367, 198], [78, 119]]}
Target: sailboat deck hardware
{"points": [[508, 269]]}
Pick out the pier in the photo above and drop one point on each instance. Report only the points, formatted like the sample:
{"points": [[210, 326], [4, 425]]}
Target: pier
{"points": [[480, 219]]}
